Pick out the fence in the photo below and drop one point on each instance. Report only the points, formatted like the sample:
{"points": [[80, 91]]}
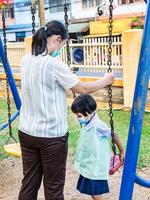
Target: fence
{"points": [[15, 53], [94, 53]]}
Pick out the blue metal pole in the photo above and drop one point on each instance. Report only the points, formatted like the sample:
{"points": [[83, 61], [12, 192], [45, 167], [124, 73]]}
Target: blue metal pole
{"points": [[138, 109], [10, 76]]}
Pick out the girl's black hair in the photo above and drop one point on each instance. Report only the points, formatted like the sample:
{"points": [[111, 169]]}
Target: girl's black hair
{"points": [[84, 104], [39, 41]]}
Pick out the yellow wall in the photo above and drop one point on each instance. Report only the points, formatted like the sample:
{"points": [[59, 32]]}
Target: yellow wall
{"points": [[131, 51], [101, 27], [28, 43]]}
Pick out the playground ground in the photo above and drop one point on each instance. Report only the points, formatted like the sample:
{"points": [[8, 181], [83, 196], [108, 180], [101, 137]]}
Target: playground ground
{"points": [[11, 168], [11, 174]]}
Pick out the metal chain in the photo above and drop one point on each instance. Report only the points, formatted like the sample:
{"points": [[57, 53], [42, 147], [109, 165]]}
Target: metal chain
{"points": [[67, 43], [66, 25], [7, 83], [33, 10], [109, 63]]}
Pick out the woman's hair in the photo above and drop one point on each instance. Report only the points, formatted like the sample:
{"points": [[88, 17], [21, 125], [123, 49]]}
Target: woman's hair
{"points": [[39, 42], [84, 104]]}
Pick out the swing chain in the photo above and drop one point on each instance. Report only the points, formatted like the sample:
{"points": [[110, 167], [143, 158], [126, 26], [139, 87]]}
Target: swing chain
{"points": [[109, 63], [66, 25], [4, 34], [33, 10], [7, 84], [67, 42]]}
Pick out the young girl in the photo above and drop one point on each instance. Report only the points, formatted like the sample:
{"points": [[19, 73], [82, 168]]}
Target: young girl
{"points": [[93, 154]]}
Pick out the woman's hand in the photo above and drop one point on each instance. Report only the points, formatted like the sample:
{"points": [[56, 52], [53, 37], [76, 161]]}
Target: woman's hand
{"points": [[109, 78], [90, 87]]}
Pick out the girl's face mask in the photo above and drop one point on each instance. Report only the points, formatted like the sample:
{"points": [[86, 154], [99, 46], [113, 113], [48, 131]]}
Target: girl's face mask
{"points": [[83, 121]]}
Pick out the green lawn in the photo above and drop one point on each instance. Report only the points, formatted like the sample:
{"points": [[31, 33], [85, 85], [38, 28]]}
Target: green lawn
{"points": [[121, 122]]}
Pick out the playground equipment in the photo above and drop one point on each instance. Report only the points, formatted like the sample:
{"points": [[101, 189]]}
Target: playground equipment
{"points": [[133, 144], [143, 74], [12, 149]]}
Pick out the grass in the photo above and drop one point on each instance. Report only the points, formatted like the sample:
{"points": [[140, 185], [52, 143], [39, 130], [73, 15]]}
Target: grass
{"points": [[121, 123]]}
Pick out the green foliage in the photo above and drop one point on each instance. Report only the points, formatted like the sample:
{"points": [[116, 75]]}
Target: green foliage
{"points": [[135, 19], [137, 23]]}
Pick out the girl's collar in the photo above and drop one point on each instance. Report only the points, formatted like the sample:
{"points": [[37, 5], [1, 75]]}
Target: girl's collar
{"points": [[92, 122], [90, 119]]}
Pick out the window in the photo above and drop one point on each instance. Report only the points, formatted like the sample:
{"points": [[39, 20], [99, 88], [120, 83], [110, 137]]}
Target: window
{"points": [[88, 3], [20, 36], [23, 3], [129, 1], [9, 12], [56, 6], [100, 2], [91, 3]]}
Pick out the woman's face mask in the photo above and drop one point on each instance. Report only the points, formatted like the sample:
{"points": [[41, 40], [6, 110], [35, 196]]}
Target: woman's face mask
{"points": [[56, 53], [60, 46]]}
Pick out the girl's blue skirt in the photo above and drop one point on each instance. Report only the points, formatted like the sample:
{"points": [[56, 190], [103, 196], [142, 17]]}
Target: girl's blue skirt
{"points": [[92, 187]]}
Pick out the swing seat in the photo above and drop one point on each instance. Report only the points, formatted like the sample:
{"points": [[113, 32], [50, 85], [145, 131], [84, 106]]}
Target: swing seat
{"points": [[13, 149], [115, 164]]}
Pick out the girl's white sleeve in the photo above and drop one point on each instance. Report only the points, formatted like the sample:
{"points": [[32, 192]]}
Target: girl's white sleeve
{"points": [[103, 130]]}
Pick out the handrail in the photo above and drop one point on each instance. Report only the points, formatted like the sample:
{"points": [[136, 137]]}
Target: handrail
{"points": [[141, 181], [13, 117]]}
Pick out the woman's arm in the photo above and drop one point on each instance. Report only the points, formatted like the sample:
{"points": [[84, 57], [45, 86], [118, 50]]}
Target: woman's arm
{"points": [[90, 87]]}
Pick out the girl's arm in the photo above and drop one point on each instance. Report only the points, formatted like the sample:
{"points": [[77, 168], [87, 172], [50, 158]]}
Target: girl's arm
{"points": [[120, 147]]}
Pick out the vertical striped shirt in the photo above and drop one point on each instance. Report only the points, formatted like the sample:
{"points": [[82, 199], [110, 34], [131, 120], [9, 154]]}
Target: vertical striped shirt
{"points": [[44, 82]]}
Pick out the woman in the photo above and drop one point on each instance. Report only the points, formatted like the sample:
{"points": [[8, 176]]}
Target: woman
{"points": [[43, 129]]}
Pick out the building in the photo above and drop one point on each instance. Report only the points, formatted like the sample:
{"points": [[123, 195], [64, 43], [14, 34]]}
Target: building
{"points": [[80, 13], [9, 15], [126, 13], [19, 20]]}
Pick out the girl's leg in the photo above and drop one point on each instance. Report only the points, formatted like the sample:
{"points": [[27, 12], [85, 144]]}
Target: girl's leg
{"points": [[97, 197]]}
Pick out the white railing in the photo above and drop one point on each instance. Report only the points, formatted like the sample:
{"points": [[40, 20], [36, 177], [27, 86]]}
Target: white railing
{"points": [[95, 51]]}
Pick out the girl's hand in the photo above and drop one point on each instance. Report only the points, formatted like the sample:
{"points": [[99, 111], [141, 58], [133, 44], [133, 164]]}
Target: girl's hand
{"points": [[121, 154]]}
